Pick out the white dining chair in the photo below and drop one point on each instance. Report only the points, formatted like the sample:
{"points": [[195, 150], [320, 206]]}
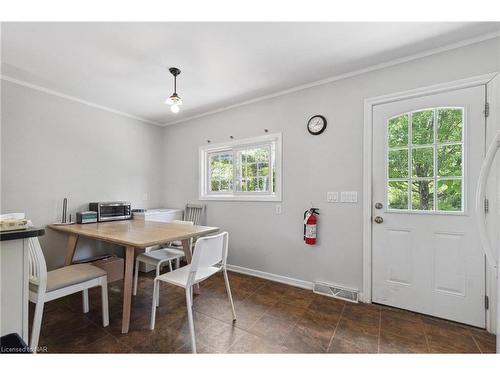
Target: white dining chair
{"points": [[159, 258], [210, 256], [46, 286]]}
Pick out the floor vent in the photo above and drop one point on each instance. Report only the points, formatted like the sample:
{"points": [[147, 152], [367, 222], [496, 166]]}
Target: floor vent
{"points": [[336, 291]]}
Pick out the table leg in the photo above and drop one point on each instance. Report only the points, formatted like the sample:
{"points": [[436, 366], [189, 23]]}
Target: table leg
{"points": [[70, 249], [127, 288], [186, 246]]}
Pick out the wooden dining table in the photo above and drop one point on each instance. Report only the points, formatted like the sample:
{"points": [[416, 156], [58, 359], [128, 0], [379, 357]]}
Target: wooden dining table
{"points": [[134, 236]]}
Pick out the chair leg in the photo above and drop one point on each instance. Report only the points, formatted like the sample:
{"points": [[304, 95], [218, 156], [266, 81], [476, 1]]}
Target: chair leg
{"points": [[228, 290], [85, 300], [104, 301], [136, 276], [37, 323], [192, 297], [170, 265], [178, 263], [153, 307], [158, 289], [189, 305]]}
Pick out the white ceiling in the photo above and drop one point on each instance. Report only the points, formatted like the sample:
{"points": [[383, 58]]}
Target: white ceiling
{"points": [[124, 65]]}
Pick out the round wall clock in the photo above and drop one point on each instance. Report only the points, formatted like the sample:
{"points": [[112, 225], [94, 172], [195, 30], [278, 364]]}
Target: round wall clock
{"points": [[316, 125]]}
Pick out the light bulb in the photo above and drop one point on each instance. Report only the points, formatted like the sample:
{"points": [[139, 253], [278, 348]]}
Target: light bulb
{"points": [[174, 99], [174, 108]]}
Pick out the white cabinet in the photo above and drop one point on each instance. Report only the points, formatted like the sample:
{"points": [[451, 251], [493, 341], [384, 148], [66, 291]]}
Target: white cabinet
{"points": [[164, 215], [14, 288], [14, 263]]}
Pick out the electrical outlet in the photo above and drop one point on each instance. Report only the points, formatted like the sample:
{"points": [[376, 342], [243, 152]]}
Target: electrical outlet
{"points": [[277, 209], [332, 196], [349, 196]]}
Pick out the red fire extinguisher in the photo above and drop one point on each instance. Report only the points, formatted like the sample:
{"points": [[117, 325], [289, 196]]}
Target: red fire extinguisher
{"points": [[310, 225]]}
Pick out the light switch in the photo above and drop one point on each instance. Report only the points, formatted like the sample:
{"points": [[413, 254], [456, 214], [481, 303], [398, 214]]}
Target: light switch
{"points": [[332, 196], [278, 209], [144, 196], [349, 196]]}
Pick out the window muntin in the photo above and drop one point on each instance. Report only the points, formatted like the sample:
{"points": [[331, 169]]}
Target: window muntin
{"points": [[425, 169], [242, 170]]}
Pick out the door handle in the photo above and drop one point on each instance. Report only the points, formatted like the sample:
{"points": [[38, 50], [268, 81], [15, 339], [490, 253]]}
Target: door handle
{"points": [[378, 219], [378, 205]]}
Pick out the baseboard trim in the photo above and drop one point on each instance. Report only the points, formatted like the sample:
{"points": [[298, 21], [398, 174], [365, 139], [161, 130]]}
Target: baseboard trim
{"points": [[271, 276]]}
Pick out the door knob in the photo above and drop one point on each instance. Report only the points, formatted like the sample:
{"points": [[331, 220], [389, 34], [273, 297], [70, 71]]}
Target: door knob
{"points": [[378, 205], [378, 219]]}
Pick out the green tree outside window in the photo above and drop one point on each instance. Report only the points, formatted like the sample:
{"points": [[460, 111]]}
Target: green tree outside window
{"points": [[425, 160]]}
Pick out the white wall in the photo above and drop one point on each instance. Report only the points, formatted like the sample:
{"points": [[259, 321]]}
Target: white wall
{"points": [[264, 241], [54, 148]]}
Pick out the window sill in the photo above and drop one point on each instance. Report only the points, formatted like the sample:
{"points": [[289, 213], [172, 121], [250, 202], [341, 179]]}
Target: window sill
{"points": [[242, 198]]}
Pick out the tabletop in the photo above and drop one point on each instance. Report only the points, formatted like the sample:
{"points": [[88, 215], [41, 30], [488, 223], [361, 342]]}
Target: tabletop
{"points": [[136, 233]]}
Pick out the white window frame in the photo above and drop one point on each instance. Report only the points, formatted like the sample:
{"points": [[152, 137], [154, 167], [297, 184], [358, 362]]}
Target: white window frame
{"points": [[235, 146]]}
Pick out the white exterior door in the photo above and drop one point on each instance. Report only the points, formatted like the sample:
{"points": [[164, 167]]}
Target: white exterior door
{"points": [[427, 152]]}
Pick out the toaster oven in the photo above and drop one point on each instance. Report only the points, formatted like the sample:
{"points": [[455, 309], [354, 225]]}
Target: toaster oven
{"points": [[109, 211]]}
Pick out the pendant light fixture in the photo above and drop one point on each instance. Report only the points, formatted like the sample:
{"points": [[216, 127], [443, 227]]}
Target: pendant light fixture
{"points": [[174, 100]]}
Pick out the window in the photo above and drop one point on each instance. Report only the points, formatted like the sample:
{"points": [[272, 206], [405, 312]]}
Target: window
{"points": [[425, 152], [221, 171], [247, 169]]}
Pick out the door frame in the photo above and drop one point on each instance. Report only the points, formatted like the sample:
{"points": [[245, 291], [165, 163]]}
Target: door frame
{"points": [[369, 103]]}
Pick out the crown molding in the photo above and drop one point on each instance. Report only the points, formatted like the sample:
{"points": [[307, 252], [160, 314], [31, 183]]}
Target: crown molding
{"points": [[339, 77], [75, 99]]}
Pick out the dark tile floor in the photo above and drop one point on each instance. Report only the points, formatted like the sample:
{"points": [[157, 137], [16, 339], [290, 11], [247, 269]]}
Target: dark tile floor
{"points": [[272, 318]]}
